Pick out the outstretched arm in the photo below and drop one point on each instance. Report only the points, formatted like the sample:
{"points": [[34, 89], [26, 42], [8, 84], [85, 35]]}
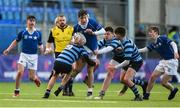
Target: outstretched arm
{"points": [[174, 46], [105, 50], [13, 44], [143, 50]]}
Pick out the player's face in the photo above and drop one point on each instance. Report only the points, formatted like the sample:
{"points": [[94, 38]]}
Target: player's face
{"points": [[108, 35], [61, 21], [118, 36], [83, 20], [31, 23], [152, 34]]}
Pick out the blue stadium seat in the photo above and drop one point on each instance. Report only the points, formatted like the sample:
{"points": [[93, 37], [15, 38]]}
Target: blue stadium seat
{"points": [[6, 2]]}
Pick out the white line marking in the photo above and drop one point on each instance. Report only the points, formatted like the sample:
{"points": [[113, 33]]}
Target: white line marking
{"points": [[65, 101]]}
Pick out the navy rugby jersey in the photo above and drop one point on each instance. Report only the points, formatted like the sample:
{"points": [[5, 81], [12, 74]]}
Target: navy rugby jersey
{"points": [[30, 42], [163, 47], [91, 42]]}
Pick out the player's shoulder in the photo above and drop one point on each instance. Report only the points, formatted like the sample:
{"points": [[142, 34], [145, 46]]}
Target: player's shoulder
{"points": [[162, 37], [70, 27]]}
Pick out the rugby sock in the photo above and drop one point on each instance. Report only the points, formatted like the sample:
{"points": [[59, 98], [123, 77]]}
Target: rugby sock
{"points": [[138, 82], [70, 84], [135, 90], [101, 93], [48, 91]]}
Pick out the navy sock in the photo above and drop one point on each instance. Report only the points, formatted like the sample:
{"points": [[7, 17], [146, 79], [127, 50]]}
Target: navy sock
{"points": [[135, 90], [138, 82]]}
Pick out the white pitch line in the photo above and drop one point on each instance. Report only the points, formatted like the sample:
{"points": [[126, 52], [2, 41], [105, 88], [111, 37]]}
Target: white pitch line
{"points": [[65, 101]]}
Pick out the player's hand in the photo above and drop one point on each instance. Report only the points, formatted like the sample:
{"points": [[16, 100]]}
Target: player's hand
{"points": [[47, 51], [95, 52], [176, 55], [119, 49], [89, 31], [6, 52]]}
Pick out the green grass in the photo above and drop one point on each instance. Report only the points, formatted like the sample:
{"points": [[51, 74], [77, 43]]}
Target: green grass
{"points": [[31, 97]]}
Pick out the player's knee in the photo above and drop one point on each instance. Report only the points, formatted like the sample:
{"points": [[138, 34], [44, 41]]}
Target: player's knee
{"points": [[163, 83], [19, 73], [125, 80], [110, 74], [31, 77]]}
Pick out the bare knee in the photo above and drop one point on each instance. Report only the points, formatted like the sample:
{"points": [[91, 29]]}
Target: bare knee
{"points": [[110, 74]]}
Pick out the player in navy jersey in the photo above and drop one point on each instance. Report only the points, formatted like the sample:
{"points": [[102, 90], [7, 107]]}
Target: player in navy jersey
{"points": [[90, 29], [167, 66], [31, 40], [64, 61]]}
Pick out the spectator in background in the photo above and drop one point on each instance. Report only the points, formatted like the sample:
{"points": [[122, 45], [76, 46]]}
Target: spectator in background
{"points": [[140, 36], [173, 34], [31, 40]]}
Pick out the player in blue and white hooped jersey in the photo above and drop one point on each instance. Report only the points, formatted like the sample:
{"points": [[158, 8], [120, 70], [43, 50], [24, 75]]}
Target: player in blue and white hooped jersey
{"points": [[117, 47], [64, 61], [31, 40], [167, 66], [90, 29], [131, 64]]}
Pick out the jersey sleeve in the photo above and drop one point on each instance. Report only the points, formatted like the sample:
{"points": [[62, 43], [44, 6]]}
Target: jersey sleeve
{"points": [[51, 38], [150, 47], [96, 25], [84, 52], [101, 43], [39, 38], [114, 43], [165, 39], [19, 36]]}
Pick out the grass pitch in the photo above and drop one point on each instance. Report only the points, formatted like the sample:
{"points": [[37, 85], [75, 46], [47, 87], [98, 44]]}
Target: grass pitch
{"points": [[31, 96]]}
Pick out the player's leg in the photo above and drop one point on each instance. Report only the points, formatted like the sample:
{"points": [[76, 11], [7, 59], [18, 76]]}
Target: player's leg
{"points": [[130, 73], [19, 75], [125, 87], [33, 77], [165, 82], [141, 83], [151, 82], [63, 83], [77, 67], [107, 80], [50, 85], [90, 81], [86, 77]]}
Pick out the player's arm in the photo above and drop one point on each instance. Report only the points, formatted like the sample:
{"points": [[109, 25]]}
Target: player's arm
{"points": [[123, 64], [143, 50], [105, 50], [41, 47], [48, 44], [11, 46], [174, 46], [14, 43], [85, 55]]}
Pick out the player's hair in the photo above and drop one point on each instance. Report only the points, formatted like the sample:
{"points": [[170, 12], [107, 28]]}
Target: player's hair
{"points": [[154, 28], [56, 19], [120, 31], [29, 17], [109, 28], [80, 35], [82, 12]]}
